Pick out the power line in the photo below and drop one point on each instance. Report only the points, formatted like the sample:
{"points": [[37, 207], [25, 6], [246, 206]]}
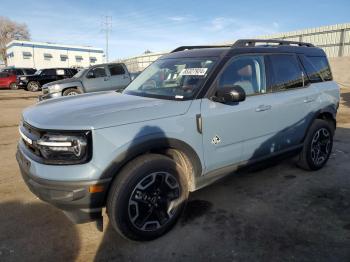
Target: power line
{"points": [[107, 28]]}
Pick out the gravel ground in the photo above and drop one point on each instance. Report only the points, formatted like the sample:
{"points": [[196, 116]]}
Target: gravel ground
{"points": [[279, 213]]}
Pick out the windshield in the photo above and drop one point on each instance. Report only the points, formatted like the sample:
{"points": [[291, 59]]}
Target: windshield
{"points": [[80, 73], [179, 78]]}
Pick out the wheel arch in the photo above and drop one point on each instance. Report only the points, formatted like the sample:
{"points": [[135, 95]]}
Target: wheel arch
{"points": [[179, 151], [328, 113]]}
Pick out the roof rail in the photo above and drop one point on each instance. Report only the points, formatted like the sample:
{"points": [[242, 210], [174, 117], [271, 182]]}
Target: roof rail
{"points": [[252, 42], [182, 48]]}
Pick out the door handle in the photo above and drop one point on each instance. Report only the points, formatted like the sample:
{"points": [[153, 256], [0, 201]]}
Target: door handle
{"points": [[308, 100], [263, 108]]}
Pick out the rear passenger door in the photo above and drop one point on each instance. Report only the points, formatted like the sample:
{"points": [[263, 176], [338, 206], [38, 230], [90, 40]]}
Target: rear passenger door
{"points": [[119, 77], [292, 99], [47, 76]]}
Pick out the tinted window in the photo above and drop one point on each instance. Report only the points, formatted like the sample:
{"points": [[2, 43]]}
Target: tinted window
{"points": [[116, 70], [98, 72], [29, 71], [286, 72], [247, 72], [49, 72], [19, 72], [321, 65]]}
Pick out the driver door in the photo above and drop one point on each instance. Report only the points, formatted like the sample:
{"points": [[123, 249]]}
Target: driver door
{"points": [[96, 79], [228, 128]]}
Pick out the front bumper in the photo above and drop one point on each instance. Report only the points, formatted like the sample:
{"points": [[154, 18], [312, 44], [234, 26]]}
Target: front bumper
{"points": [[74, 198], [22, 84], [49, 96]]}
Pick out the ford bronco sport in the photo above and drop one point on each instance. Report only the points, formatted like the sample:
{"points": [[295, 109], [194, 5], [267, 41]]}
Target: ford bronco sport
{"points": [[190, 118]]}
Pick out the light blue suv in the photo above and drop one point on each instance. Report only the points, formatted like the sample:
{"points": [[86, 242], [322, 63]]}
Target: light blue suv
{"points": [[193, 116]]}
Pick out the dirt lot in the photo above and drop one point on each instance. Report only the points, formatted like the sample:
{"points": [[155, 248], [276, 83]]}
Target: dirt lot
{"points": [[280, 213]]}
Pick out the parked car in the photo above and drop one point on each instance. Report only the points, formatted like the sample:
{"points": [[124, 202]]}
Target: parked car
{"points": [[103, 77], [36, 81], [190, 118], [19, 71], [7, 80]]}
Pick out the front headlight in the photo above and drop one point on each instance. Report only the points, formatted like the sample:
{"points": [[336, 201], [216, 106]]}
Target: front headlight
{"points": [[65, 149], [22, 78], [54, 88]]}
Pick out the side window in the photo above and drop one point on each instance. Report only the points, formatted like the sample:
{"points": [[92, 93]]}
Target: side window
{"points": [[321, 65], [312, 73], [97, 72], [29, 71], [116, 70], [3, 75], [18, 72], [247, 72], [48, 72], [286, 73]]}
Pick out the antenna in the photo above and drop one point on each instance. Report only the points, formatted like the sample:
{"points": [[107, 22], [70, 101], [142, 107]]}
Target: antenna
{"points": [[107, 28]]}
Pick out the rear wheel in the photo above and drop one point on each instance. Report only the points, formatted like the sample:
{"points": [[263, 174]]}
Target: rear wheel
{"points": [[13, 86], [147, 197], [33, 86], [317, 145], [71, 92]]}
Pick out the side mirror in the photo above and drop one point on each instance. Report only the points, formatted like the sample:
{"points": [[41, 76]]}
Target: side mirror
{"points": [[90, 74], [230, 94]]}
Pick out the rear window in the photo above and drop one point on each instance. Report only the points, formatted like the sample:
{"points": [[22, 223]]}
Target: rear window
{"points": [[116, 70], [286, 72], [321, 65]]}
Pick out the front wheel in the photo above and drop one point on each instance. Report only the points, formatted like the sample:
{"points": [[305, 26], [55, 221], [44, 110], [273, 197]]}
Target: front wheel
{"points": [[13, 86], [71, 92], [147, 197], [33, 86], [317, 145]]}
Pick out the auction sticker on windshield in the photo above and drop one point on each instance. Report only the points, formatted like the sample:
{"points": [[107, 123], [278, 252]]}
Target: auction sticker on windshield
{"points": [[193, 72]]}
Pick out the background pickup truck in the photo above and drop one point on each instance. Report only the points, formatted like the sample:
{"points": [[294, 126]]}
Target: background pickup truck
{"points": [[112, 76]]}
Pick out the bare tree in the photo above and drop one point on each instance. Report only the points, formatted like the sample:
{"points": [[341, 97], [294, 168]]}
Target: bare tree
{"points": [[10, 30]]}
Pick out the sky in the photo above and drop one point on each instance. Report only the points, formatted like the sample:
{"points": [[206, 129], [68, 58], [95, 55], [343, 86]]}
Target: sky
{"points": [[163, 25]]}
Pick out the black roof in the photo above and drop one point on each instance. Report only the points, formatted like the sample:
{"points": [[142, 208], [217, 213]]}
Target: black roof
{"points": [[247, 46]]}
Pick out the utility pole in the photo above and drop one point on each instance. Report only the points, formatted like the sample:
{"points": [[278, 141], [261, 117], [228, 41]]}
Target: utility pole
{"points": [[106, 28]]}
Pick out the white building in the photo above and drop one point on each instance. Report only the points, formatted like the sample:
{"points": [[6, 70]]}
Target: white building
{"points": [[46, 55]]}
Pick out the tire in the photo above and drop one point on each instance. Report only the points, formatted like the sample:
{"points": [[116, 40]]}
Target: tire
{"points": [[33, 86], [13, 86], [147, 197], [71, 92], [317, 145]]}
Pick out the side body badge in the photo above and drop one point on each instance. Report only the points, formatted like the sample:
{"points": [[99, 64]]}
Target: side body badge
{"points": [[216, 140]]}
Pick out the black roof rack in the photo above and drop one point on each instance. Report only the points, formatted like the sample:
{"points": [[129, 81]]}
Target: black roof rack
{"points": [[246, 43], [182, 48], [252, 42]]}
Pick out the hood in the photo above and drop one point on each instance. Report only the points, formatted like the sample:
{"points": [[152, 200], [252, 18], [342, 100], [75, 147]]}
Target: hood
{"points": [[63, 81], [100, 110]]}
